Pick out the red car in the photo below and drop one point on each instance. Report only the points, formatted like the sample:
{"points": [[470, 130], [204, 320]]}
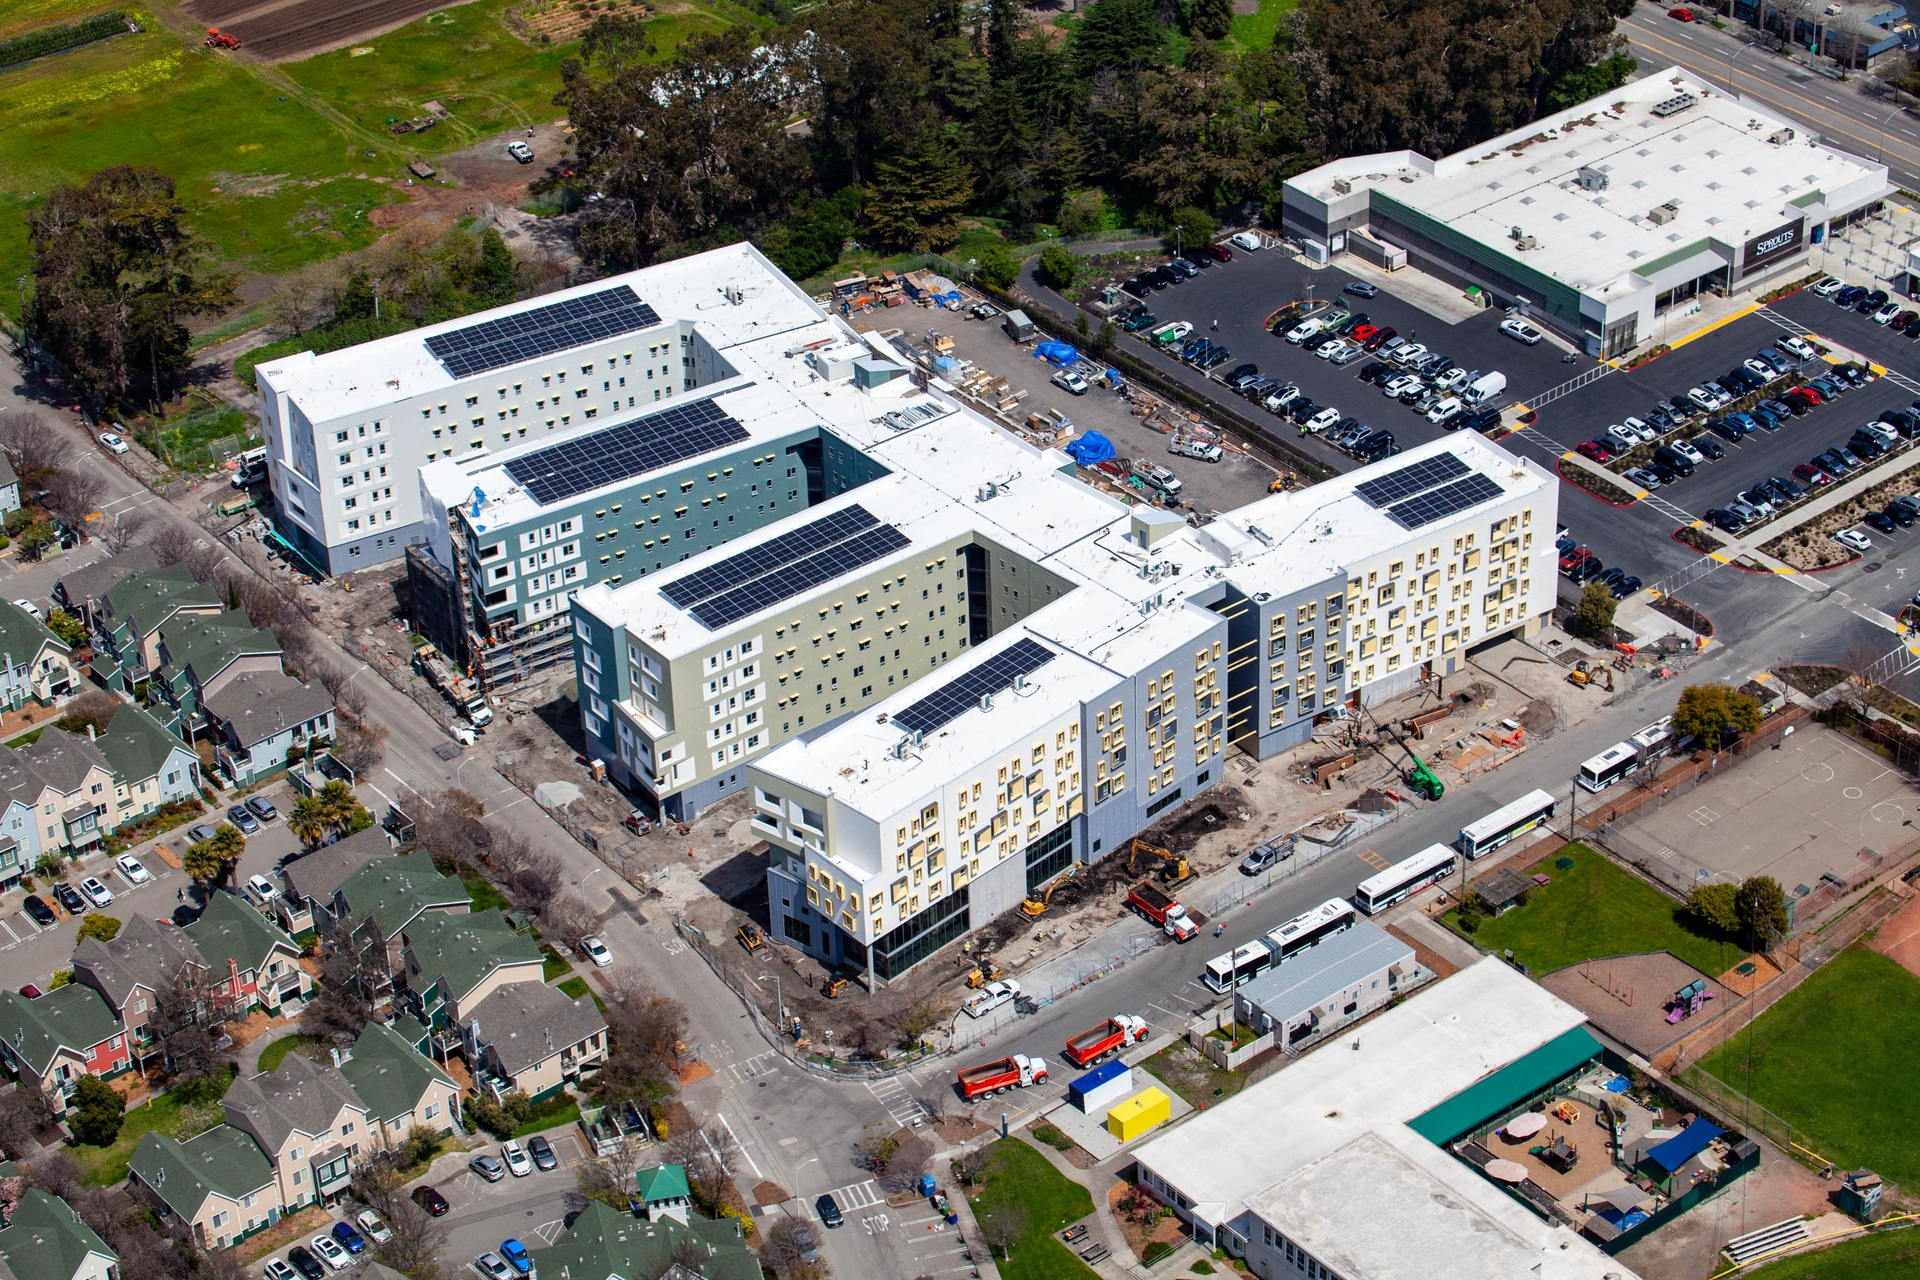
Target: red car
{"points": [[1577, 556], [1220, 253], [31, 992], [1812, 474], [1362, 333], [1807, 394], [1380, 338], [1595, 450], [1683, 15]]}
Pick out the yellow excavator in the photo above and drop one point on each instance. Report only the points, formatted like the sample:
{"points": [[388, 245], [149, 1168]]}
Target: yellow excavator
{"points": [[984, 972], [1038, 906], [1175, 868]]}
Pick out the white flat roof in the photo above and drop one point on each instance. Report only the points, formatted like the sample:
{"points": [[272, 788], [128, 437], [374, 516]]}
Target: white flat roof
{"points": [[1712, 160]]}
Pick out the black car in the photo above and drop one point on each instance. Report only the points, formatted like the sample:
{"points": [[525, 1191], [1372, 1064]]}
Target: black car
{"points": [[1666, 473], [829, 1211], [1673, 460], [1683, 408], [1900, 515], [1877, 520], [305, 1263], [1214, 358], [1378, 447], [542, 1152], [1709, 448], [1792, 491], [1862, 443], [1625, 587], [70, 898], [432, 1201], [1137, 287], [1240, 371], [1730, 521], [1303, 410], [1855, 375], [42, 913], [1871, 303], [1358, 289], [1371, 372], [1480, 420], [1831, 463]]}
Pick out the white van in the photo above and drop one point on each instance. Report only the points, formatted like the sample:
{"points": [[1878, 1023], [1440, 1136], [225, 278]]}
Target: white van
{"points": [[1484, 388], [1307, 328]]}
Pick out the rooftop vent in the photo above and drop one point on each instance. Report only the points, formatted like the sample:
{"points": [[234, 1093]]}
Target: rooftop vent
{"points": [[1780, 137], [1591, 179], [1662, 214], [1675, 105], [1342, 186]]}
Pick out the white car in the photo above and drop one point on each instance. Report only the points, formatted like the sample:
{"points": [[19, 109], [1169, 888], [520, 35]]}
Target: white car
{"points": [[113, 442], [1305, 329], [519, 1163], [1520, 331], [1759, 369], [31, 608], [1704, 398], [1409, 353], [279, 1269], [1069, 380], [1686, 450], [372, 1227], [991, 997], [261, 890], [1444, 409], [1641, 428], [489, 1265], [520, 151], [1396, 385], [1796, 346], [1853, 538], [1623, 437], [1246, 240], [330, 1252], [131, 868], [96, 893], [1885, 314], [1322, 420], [1828, 287], [596, 951]]}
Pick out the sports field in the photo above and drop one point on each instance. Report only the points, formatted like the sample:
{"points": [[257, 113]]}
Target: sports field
{"points": [[1890, 1255], [1836, 1058]]}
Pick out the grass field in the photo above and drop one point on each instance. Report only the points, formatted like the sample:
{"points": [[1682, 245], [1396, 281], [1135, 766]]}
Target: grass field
{"points": [[1255, 30], [1016, 1174], [276, 1053], [1823, 1059], [18, 17], [1889, 1255], [105, 1166], [1595, 909]]}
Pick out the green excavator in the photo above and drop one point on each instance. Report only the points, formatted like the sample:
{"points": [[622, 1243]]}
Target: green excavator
{"points": [[1420, 778]]}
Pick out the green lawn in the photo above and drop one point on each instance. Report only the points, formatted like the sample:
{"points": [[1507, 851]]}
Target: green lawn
{"points": [[554, 966], [542, 1124], [485, 896], [19, 17], [1255, 30], [1823, 1057], [575, 987], [276, 1053], [106, 1166], [1595, 908], [1016, 1174], [1888, 1255]]}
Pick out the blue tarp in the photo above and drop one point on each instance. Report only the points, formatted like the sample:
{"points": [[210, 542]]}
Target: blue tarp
{"points": [[1056, 353], [1675, 1152], [1113, 377], [1090, 449]]}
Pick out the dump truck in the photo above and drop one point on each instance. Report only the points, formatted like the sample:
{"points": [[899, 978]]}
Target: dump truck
{"points": [[457, 688], [1111, 1036], [1149, 901], [1016, 1072]]}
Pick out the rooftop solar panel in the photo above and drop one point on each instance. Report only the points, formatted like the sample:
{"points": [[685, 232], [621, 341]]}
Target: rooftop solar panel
{"points": [[1417, 513], [1409, 480], [528, 335], [630, 449], [768, 556], [802, 575], [955, 698]]}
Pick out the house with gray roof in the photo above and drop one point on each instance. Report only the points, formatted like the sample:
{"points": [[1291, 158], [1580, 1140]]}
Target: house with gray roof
{"points": [[1339, 979], [34, 663], [19, 837], [131, 971], [453, 962], [9, 487], [258, 715], [44, 1239], [256, 959], [400, 1087], [313, 878], [151, 765], [79, 591], [70, 784], [52, 1040], [377, 902], [531, 1037], [127, 618], [220, 1186], [604, 1244], [198, 655], [309, 1122]]}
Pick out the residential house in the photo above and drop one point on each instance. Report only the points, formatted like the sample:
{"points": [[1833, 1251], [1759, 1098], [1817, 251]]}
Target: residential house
{"points": [[377, 903], [44, 1239], [664, 1193], [530, 1037], [151, 765], [453, 962], [71, 785], [19, 838], [127, 618], [604, 1243], [259, 961], [314, 878], [81, 591], [309, 1121], [399, 1087], [132, 971], [220, 1186], [51, 1041], [9, 488], [257, 716], [198, 655], [37, 663]]}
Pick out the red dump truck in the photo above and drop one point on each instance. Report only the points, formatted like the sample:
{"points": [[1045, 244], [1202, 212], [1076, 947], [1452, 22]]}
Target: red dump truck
{"points": [[1149, 901], [1114, 1034], [1016, 1072]]}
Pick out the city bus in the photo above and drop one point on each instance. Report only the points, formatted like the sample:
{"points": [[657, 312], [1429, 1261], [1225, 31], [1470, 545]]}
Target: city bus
{"points": [[1505, 823], [1403, 879], [1306, 930], [1238, 967], [1611, 765]]}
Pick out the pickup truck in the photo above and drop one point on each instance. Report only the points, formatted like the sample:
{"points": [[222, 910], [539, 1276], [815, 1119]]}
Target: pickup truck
{"points": [[1194, 447], [991, 997], [1017, 1072], [1157, 476], [1096, 1043], [1149, 901]]}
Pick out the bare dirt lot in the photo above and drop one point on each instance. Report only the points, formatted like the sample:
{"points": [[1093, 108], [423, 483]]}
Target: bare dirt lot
{"points": [[288, 30]]}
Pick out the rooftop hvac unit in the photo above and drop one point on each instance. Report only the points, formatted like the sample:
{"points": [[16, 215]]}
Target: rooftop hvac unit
{"points": [[1780, 136], [1661, 214], [1342, 186], [1675, 105], [1591, 179]]}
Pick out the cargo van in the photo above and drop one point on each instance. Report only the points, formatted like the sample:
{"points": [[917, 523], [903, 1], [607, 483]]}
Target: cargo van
{"points": [[1484, 388]]}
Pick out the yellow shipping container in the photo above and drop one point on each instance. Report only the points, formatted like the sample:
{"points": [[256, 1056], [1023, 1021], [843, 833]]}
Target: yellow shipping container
{"points": [[1139, 1114]]}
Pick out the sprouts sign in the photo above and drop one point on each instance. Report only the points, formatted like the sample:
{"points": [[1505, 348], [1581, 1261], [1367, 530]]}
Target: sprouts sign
{"points": [[1772, 246]]}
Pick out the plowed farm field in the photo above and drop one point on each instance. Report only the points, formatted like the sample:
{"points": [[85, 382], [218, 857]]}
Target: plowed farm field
{"points": [[288, 30]]}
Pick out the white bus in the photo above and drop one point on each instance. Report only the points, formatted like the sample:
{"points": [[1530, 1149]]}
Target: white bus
{"points": [[1306, 930], [1239, 967], [1655, 740], [1505, 823], [1611, 765], [1403, 879]]}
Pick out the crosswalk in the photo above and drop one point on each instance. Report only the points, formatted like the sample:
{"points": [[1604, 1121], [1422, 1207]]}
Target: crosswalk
{"points": [[758, 1065], [1671, 510], [902, 1107], [858, 1195]]}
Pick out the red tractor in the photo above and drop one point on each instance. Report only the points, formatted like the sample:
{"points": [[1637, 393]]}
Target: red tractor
{"points": [[217, 39]]}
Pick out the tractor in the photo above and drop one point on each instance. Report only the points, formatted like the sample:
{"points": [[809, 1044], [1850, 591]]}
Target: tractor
{"points": [[218, 39]]}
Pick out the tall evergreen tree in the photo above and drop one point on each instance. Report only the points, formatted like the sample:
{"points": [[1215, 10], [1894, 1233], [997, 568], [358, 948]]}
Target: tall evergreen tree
{"points": [[915, 201], [1210, 18]]}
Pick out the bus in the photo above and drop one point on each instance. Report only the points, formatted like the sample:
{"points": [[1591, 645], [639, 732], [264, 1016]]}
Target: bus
{"points": [[1239, 967], [1505, 823], [1655, 740], [1611, 765], [1403, 879], [1303, 931]]}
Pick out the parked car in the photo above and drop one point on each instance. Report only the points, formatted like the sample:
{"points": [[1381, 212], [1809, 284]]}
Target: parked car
{"points": [[1520, 331], [1245, 240], [277, 1269], [262, 808], [304, 1261], [1625, 587], [1828, 287], [1797, 347], [242, 817], [1220, 253], [373, 1227], [96, 893], [1595, 450], [330, 1252], [1360, 289], [520, 151], [1643, 477], [519, 1163], [991, 997], [41, 913], [542, 1152], [73, 902], [113, 442], [1070, 381], [487, 1167], [350, 1240], [199, 832], [1854, 539], [1878, 520], [516, 1255], [1381, 339], [132, 868], [430, 1200], [829, 1211], [493, 1266], [1812, 474]]}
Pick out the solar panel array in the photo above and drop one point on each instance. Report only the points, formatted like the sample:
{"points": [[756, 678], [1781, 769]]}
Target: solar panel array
{"points": [[630, 449], [773, 554], [1409, 480], [801, 575], [1417, 513], [955, 698], [528, 335]]}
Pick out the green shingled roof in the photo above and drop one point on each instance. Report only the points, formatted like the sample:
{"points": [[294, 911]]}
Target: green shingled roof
{"points": [[604, 1243], [137, 745], [150, 596], [662, 1182], [396, 890], [75, 1015], [47, 1240], [463, 950], [229, 928], [390, 1076], [207, 643], [21, 634], [223, 1159]]}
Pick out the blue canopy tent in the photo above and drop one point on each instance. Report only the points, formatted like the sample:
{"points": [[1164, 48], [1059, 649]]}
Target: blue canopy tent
{"points": [[1056, 353], [1674, 1153], [1090, 448]]}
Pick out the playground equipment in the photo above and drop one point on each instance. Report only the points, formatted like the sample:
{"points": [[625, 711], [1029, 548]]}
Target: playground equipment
{"points": [[1689, 1000], [1566, 1111]]}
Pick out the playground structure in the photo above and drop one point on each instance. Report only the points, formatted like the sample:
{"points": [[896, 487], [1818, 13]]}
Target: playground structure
{"points": [[1689, 1000], [1605, 979]]}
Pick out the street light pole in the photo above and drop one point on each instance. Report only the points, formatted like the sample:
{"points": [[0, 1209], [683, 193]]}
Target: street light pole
{"points": [[1731, 88], [1177, 250], [1883, 132]]}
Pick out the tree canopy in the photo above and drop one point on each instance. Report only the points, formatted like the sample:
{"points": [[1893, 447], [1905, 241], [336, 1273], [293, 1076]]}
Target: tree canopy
{"points": [[1704, 709]]}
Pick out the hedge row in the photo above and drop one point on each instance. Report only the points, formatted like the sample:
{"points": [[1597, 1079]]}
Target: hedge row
{"points": [[38, 44]]}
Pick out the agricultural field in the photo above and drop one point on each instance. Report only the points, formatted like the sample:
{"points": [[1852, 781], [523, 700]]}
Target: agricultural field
{"points": [[17, 17]]}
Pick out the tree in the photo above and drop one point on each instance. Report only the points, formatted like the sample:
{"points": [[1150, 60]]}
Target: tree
{"points": [[362, 747], [212, 860], [909, 1161], [994, 263], [1703, 709], [1596, 609], [116, 274], [1716, 905], [493, 278], [93, 709], [1002, 1225], [69, 628], [36, 538], [915, 201], [644, 1025], [190, 1014], [784, 1249], [1763, 911], [418, 1239], [307, 820], [350, 972], [75, 495], [1060, 265], [917, 1017], [1210, 18], [569, 919], [99, 1109], [95, 925], [1196, 226], [32, 445], [22, 1110]]}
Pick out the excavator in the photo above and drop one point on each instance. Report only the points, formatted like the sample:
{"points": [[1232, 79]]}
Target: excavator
{"points": [[1038, 906], [983, 972], [1419, 777], [1175, 868]]}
